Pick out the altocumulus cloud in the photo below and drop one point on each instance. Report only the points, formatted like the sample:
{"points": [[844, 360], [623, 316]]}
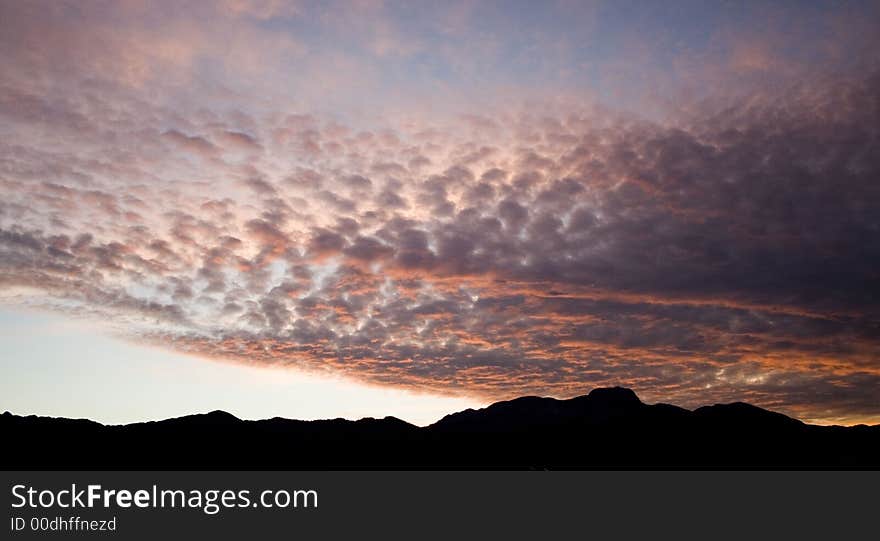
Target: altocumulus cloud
{"points": [[727, 252]]}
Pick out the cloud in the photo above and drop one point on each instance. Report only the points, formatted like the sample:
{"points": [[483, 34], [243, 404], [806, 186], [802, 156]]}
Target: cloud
{"points": [[723, 253]]}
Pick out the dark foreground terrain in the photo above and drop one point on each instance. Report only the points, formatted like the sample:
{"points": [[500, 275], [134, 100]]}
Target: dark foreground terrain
{"points": [[608, 428]]}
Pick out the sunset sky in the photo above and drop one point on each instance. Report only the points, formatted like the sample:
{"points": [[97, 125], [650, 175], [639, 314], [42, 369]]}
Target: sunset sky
{"points": [[321, 209]]}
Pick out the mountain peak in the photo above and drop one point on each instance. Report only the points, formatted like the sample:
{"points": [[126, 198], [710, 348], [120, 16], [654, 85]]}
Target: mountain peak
{"points": [[743, 413], [211, 417], [521, 413], [614, 395], [221, 415]]}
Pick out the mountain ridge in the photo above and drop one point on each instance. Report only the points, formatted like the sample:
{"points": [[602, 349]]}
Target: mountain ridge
{"points": [[606, 428], [218, 413]]}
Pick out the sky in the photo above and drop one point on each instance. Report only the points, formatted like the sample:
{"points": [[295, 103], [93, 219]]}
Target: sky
{"points": [[111, 381], [323, 209]]}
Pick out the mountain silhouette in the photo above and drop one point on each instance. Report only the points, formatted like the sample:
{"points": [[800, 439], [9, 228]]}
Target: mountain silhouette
{"points": [[607, 428]]}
